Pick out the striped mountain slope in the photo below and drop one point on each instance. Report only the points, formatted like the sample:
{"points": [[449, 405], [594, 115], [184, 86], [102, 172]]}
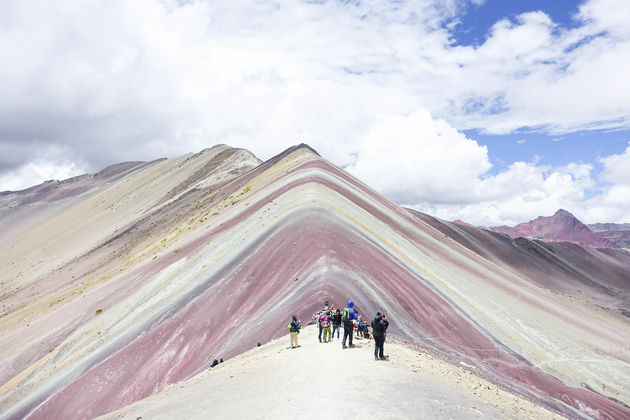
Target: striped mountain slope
{"points": [[143, 280]]}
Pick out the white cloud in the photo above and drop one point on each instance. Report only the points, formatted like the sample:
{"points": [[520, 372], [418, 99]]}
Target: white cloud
{"points": [[416, 158], [610, 16], [617, 168], [522, 192], [613, 202], [426, 164], [532, 73], [119, 80]]}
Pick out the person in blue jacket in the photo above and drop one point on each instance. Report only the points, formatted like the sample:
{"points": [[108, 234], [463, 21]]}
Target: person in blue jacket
{"points": [[347, 316]]}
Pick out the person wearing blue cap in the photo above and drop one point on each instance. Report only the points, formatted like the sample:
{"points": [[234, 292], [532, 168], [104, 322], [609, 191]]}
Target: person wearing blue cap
{"points": [[347, 316]]}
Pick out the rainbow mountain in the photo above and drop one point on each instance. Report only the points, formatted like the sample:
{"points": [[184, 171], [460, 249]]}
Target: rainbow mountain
{"points": [[119, 283]]}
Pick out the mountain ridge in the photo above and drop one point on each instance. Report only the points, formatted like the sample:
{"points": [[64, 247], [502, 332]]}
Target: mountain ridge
{"points": [[618, 233], [160, 288]]}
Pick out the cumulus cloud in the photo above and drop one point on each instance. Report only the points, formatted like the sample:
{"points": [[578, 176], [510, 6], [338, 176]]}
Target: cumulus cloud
{"points": [[122, 80], [522, 192], [416, 158], [446, 174], [611, 16], [613, 201], [531, 73], [110, 81], [617, 168]]}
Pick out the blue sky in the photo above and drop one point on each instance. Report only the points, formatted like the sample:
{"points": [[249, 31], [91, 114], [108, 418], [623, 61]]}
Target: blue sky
{"points": [[556, 150], [536, 145], [532, 144], [494, 112], [477, 19]]}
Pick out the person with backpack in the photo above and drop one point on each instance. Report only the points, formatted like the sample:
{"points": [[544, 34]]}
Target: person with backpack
{"points": [[379, 326], [348, 315], [325, 320], [336, 323], [294, 329]]}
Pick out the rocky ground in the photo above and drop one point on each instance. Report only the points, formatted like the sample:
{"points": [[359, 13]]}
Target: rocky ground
{"points": [[315, 380]]}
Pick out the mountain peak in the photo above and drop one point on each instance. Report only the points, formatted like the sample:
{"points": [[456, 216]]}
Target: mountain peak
{"points": [[563, 226], [563, 212]]}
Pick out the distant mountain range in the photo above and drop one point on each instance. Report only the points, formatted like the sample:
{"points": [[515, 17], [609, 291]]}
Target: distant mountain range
{"points": [[565, 227], [615, 233]]}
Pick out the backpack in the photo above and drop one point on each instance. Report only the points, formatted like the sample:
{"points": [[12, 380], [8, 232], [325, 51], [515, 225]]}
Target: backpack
{"points": [[297, 326], [345, 315]]}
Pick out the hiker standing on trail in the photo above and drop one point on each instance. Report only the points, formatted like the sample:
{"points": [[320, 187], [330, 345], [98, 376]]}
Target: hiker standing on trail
{"points": [[348, 315], [294, 329], [319, 325], [325, 320], [379, 326], [336, 323]]}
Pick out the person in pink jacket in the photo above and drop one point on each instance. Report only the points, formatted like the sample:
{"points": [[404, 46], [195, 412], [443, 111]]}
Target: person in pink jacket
{"points": [[325, 320]]}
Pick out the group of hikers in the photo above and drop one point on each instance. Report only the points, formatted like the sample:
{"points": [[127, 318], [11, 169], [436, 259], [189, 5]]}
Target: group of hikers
{"points": [[330, 321]]}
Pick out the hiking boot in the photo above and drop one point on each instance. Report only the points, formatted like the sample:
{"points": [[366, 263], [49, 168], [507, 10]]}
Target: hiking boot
{"points": [[376, 358], [344, 347], [351, 345]]}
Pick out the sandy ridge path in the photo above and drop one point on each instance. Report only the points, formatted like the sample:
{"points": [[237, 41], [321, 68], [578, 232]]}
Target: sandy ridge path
{"points": [[315, 380]]}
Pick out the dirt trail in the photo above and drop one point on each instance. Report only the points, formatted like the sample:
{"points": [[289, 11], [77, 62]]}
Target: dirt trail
{"points": [[318, 380]]}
